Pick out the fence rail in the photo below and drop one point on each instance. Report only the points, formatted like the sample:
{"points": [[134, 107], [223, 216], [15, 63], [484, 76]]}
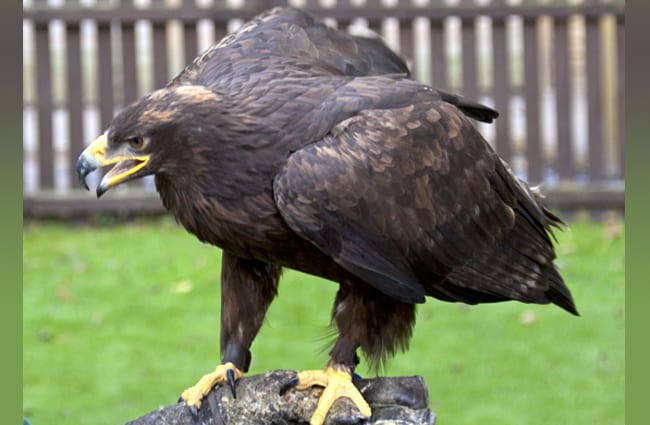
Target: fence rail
{"points": [[554, 71]]}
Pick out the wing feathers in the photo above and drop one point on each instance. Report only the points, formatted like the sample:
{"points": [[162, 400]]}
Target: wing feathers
{"points": [[419, 203]]}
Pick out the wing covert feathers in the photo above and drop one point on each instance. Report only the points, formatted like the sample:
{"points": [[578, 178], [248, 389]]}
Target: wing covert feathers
{"points": [[413, 201]]}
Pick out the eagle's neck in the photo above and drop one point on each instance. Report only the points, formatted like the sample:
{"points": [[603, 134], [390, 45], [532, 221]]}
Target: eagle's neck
{"points": [[241, 224], [191, 206]]}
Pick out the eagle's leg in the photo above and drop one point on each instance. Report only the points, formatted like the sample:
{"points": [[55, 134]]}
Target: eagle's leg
{"points": [[365, 319], [247, 289]]}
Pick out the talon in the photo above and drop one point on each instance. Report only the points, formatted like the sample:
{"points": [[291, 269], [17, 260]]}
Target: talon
{"points": [[337, 382], [194, 412], [230, 375], [227, 372], [289, 384]]}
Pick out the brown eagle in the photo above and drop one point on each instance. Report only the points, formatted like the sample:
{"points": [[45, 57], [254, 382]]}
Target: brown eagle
{"points": [[293, 145]]}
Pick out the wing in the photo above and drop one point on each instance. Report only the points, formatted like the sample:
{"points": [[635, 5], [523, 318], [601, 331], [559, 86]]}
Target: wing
{"points": [[413, 201], [301, 41], [288, 43]]}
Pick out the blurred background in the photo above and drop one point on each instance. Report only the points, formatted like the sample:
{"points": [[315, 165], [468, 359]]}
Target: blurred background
{"points": [[553, 69], [111, 284]]}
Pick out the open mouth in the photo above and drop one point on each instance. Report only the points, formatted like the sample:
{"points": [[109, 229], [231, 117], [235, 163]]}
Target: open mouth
{"points": [[125, 168]]}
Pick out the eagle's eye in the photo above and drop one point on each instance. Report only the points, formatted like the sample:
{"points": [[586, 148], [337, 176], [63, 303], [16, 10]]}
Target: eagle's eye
{"points": [[136, 143]]}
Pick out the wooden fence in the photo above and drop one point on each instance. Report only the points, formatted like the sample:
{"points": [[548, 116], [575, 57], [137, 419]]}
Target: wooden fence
{"points": [[555, 71]]}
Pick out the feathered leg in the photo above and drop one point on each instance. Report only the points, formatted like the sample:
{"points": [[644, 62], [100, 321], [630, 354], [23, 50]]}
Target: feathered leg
{"points": [[365, 319], [247, 289]]}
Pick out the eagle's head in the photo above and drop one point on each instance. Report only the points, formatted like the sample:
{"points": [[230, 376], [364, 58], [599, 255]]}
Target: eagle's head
{"points": [[163, 132]]}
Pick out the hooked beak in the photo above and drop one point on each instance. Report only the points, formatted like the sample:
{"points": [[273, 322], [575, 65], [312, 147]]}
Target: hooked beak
{"points": [[126, 165]]}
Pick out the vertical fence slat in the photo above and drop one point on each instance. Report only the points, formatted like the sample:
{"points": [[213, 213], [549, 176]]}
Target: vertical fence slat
{"points": [[594, 99], [105, 65], [406, 44], [501, 87], [375, 25], [343, 23], [565, 161], [44, 107], [438, 57], [129, 63], [531, 93], [160, 54], [220, 30], [190, 43], [620, 58], [468, 32], [74, 95], [190, 34]]}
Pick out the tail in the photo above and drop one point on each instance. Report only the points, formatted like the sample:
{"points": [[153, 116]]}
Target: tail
{"points": [[521, 267], [559, 294]]}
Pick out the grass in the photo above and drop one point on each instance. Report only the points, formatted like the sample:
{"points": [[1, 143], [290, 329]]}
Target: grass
{"points": [[119, 319]]}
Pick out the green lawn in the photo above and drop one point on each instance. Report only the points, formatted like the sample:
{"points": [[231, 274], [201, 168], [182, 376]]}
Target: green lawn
{"points": [[118, 320]]}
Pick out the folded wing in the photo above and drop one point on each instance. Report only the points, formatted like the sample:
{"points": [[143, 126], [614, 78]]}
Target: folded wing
{"points": [[415, 202]]}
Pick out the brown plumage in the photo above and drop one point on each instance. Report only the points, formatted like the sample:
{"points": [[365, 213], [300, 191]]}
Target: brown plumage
{"points": [[292, 145]]}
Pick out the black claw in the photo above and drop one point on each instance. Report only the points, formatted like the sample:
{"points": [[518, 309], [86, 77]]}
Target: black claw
{"points": [[230, 374], [194, 412], [180, 399], [350, 420], [289, 384]]}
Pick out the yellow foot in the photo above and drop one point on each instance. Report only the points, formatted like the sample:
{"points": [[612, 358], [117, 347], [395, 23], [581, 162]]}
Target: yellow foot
{"points": [[223, 373], [337, 383]]}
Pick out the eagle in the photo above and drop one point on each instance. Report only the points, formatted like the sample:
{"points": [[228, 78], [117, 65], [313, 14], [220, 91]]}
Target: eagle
{"points": [[292, 145]]}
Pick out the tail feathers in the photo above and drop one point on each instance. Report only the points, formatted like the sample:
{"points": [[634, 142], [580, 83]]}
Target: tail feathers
{"points": [[508, 272], [559, 294]]}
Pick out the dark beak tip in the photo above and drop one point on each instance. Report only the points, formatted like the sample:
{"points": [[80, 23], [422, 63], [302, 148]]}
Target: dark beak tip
{"points": [[83, 169]]}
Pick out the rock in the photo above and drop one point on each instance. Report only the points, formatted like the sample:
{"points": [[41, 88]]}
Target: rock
{"points": [[398, 400]]}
